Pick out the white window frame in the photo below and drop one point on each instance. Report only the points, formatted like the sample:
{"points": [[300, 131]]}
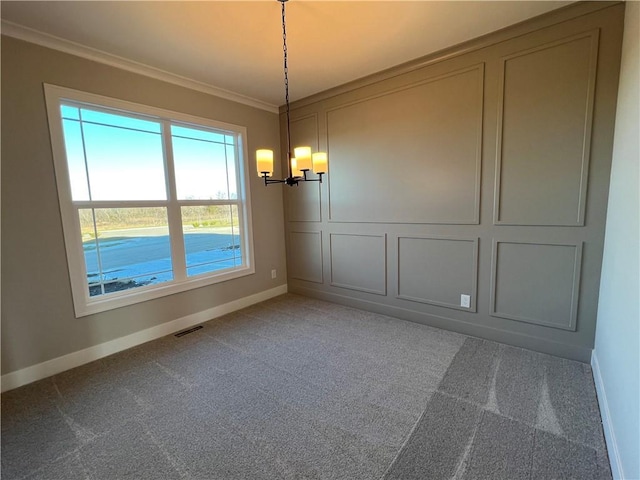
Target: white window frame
{"points": [[83, 303]]}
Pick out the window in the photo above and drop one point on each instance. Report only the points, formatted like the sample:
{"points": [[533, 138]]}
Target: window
{"points": [[153, 202]]}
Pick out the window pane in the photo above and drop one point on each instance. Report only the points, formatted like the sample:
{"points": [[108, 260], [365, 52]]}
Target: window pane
{"points": [[127, 284], [123, 121], [211, 240], [75, 160], [68, 111], [125, 248], [196, 133], [123, 164], [201, 167]]}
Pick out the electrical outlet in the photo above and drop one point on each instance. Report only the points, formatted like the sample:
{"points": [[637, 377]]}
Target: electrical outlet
{"points": [[274, 273], [465, 301]]}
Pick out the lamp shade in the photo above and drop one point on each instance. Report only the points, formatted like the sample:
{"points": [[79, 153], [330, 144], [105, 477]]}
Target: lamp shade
{"points": [[319, 162], [295, 170], [303, 157], [264, 162]]}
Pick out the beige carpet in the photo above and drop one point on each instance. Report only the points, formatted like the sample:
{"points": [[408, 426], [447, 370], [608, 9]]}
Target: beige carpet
{"points": [[299, 388]]}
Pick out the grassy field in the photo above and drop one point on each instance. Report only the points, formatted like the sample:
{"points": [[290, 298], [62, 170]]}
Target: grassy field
{"points": [[107, 219]]}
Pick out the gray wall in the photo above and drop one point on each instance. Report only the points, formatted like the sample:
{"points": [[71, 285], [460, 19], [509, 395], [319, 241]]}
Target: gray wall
{"points": [[38, 322], [482, 171], [618, 331]]}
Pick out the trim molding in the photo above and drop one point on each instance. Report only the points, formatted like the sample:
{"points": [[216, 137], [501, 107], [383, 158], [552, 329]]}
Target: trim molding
{"points": [[54, 366], [473, 307], [594, 38], [292, 260], [479, 69], [575, 288], [384, 256], [609, 433], [56, 43]]}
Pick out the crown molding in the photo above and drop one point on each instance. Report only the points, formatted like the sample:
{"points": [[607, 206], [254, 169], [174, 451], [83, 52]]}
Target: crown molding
{"points": [[56, 43]]}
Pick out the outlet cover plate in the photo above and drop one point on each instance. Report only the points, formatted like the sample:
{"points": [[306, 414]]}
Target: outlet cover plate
{"points": [[465, 301]]}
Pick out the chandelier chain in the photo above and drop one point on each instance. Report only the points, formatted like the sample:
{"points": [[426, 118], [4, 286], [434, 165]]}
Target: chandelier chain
{"points": [[286, 82]]}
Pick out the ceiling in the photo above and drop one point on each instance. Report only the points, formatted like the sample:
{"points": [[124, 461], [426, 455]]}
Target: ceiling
{"points": [[237, 45]]}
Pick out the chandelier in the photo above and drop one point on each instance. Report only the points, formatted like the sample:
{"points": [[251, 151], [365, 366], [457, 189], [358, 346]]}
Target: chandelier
{"points": [[302, 160]]}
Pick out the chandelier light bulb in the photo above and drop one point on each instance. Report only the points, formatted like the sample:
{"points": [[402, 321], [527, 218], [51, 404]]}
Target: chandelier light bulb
{"points": [[303, 156], [264, 162], [319, 162]]}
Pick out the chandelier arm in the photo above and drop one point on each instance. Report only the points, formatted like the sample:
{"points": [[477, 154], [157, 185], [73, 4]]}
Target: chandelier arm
{"points": [[305, 179], [269, 180]]}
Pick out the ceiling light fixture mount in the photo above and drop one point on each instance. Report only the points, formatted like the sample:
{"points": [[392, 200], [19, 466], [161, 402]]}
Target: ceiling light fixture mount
{"points": [[303, 160]]}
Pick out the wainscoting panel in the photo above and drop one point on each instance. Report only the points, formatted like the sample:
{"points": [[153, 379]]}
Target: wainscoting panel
{"points": [[305, 256], [438, 270], [303, 201], [358, 262], [536, 283], [409, 150], [544, 133], [487, 168]]}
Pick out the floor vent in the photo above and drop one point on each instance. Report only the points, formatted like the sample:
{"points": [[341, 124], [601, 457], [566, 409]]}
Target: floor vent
{"points": [[185, 332]]}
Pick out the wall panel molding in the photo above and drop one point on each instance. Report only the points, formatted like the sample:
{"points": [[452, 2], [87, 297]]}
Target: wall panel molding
{"points": [[558, 77], [423, 126], [440, 280], [536, 283], [304, 201], [359, 262], [305, 256], [408, 151]]}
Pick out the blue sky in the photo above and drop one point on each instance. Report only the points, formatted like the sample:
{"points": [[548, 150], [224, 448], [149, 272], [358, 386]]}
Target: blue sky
{"points": [[124, 158]]}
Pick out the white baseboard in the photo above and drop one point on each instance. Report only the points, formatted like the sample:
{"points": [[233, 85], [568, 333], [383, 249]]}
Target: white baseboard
{"points": [[42, 370], [609, 434]]}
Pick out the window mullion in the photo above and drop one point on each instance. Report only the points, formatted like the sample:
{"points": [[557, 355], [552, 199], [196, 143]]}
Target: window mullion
{"points": [[174, 215]]}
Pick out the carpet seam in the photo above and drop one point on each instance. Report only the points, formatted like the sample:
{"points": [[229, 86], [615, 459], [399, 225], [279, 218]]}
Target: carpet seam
{"points": [[176, 463], [402, 449], [458, 475], [517, 420]]}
